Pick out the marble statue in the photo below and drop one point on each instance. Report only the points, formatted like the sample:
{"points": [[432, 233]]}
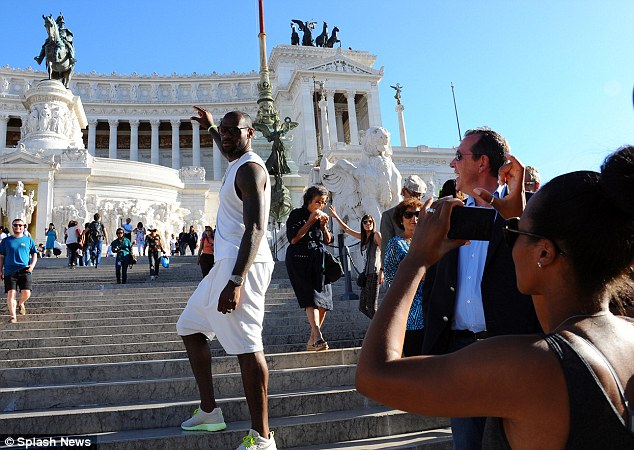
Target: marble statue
{"points": [[18, 204], [58, 49], [3, 201], [30, 207], [370, 187]]}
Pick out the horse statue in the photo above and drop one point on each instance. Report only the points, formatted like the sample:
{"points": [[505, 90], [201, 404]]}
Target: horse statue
{"points": [[323, 37], [58, 60], [294, 35], [334, 38], [306, 28]]}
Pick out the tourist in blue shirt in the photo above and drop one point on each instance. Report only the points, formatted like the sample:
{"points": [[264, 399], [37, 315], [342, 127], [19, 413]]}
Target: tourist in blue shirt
{"points": [[15, 268]]}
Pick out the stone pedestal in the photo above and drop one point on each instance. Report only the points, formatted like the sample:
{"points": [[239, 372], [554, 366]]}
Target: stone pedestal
{"points": [[55, 118], [401, 124]]}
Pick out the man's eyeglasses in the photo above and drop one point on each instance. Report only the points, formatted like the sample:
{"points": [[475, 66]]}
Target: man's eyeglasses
{"points": [[234, 131], [511, 233], [409, 214], [17, 225], [459, 155]]}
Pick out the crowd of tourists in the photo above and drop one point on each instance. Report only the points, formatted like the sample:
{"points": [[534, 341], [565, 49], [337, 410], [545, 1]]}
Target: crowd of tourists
{"points": [[520, 335]]}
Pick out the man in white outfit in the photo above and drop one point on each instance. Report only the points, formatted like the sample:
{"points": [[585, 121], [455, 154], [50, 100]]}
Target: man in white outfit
{"points": [[229, 302]]}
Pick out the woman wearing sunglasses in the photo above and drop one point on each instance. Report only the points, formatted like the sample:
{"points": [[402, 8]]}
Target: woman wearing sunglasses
{"points": [[573, 249], [373, 273], [406, 214]]}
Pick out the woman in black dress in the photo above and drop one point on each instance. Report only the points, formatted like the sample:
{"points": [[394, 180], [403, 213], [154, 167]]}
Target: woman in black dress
{"points": [[306, 232]]}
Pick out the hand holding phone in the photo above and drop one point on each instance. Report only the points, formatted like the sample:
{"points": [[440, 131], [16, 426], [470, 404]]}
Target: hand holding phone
{"points": [[471, 223]]}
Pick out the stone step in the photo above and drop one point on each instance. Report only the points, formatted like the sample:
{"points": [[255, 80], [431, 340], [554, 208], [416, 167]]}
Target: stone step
{"points": [[292, 333], [157, 355], [344, 314], [122, 417], [314, 429], [165, 368], [166, 390], [437, 439], [63, 330]]}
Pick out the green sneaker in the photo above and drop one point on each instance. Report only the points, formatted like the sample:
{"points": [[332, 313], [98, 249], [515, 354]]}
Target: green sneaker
{"points": [[204, 421], [253, 441]]}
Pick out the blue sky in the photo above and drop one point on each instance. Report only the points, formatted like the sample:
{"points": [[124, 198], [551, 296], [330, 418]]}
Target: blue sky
{"points": [[554, 77]]}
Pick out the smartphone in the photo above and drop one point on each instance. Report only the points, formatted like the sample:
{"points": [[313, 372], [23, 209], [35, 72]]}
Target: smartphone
{"points": [[471, 223]]}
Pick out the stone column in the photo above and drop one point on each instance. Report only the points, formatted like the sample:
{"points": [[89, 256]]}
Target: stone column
{"points": [[195, 143], [112, 145], [339, 119], [92, 135], [332, 121], [154, 147], [217, 162], [401, 124], [310, 133], [4, 120], [374, 108], [134, 139], [325, 133], [176, 148], [352, 118]]}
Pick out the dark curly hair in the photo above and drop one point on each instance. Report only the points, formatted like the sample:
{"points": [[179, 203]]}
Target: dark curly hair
{"points": [[400, 209]]}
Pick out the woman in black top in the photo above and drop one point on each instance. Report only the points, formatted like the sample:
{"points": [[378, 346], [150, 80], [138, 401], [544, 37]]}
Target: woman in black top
{"points": [[192, 239], [573, 250], [306, 232]]}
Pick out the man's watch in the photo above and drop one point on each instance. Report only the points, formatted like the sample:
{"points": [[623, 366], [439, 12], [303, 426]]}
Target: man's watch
{"points": [[237, 280]]}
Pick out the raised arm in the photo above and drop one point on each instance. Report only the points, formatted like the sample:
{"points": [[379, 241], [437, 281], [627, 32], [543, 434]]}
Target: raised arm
{"points": [[344, 226], [206, 121]]}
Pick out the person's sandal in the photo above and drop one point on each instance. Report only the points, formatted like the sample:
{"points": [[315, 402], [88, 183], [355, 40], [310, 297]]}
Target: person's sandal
{"points": [[13, 320], [310, 348], [321, 345]]}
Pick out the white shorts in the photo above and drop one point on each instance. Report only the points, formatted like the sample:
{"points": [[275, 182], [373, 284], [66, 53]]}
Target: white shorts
{"points": [[240, 331]]}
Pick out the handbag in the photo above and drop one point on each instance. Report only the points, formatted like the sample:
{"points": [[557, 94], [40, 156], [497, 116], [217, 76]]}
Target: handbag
{"points": [[165, 261], [331, 267], [362, 279]]}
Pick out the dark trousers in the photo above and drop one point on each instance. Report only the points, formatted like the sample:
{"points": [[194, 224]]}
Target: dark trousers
{"points": [[121, 269], [192, 248], [206, 263], [467, 431], [72, 253], [413, 343], [153, 257]]}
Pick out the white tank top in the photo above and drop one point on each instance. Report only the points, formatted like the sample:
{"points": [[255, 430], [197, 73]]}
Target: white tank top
{"points": [[230, 219]]}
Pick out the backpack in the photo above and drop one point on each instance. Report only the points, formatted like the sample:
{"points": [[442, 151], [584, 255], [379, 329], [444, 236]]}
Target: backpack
{"points": [[95, 231]]}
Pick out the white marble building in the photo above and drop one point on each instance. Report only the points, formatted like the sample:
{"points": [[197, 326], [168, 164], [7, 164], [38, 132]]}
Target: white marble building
{"points": [[145, 159]]}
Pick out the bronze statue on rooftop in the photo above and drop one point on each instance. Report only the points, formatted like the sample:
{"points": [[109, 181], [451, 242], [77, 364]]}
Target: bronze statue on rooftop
{"points": [[58, 49], [306, 28]]}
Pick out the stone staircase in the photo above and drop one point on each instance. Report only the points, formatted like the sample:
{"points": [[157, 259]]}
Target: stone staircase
{"points": [[101, 360]]}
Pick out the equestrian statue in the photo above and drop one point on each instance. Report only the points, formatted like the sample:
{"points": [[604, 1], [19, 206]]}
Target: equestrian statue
{"points": [[58, 50]]}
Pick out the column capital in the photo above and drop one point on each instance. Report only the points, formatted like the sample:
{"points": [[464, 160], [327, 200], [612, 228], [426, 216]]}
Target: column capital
{"points": [[350, 93], [134, 123], [155, 122], [399, 108], [176, 123], [329, 93], [113, 122], [92, 122], [4, 117], [195, 124]]}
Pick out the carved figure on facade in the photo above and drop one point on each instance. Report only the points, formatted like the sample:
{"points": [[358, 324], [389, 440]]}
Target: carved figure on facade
{"points": [[3, 200], [30, 206], [370, 187], [75, 155], [294, 35], [192, 174], [306, 28], [45, 117], [5, 86], [58, 49]]}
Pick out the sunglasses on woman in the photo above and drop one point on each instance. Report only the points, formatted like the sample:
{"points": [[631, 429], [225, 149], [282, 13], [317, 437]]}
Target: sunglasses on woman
{"points": [[366, 222], [511, 232], [409, 214]]}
